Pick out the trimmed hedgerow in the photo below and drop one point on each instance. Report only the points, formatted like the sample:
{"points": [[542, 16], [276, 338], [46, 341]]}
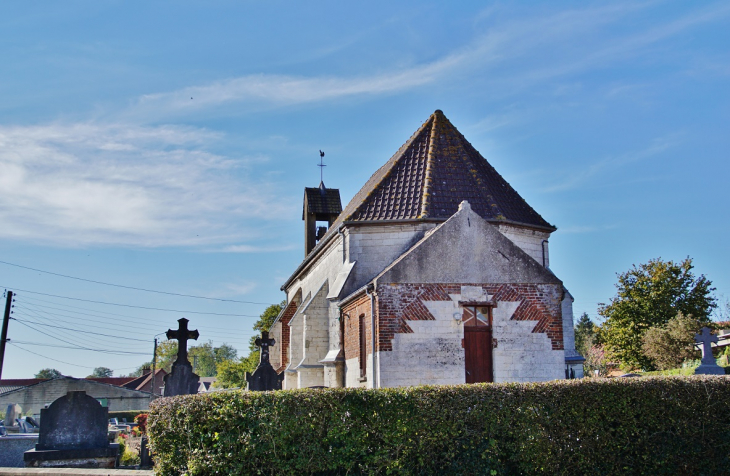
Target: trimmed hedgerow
{"points": [[658, 425]]}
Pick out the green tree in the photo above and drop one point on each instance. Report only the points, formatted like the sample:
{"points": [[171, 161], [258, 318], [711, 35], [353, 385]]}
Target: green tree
{"points": [[166, 354], [585, 330], [101, 372], [668, 346], [205, 357], [649, 295], [48, 373], [232, 373]]}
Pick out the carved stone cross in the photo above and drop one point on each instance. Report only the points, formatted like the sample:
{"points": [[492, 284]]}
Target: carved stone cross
{"points": [[706, 339], [182, 334], [264, 343]]}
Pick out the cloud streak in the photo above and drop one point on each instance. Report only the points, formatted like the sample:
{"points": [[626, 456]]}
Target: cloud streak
{"points": [[122, 184]]}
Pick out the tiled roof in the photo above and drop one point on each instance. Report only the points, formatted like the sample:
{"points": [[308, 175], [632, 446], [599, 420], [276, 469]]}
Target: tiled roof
{"points": [[322, 200], [430, 175]]}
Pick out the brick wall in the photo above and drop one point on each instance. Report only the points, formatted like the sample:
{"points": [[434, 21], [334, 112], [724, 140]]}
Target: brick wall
{"points": [[283, 338], [420, 342], [351, 314]]}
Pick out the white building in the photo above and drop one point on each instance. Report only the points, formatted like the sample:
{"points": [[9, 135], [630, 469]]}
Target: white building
{"points": [[436, 272]]}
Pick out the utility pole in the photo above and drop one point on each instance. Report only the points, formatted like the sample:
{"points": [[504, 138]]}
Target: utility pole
{"points": [[4, 334], [154, 364]]}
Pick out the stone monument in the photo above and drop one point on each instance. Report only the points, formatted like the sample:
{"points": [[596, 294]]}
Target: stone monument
{"points": [[73, 435], [264, 377], [181, 380], [13, 412], [708, 364]]}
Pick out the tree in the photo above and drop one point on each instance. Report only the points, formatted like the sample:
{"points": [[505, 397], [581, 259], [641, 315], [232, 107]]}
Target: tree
{"points": [[585, 330], [670, 345], [233, 374], [48, 373], [101, 372], [204, 357], [649, 296]]}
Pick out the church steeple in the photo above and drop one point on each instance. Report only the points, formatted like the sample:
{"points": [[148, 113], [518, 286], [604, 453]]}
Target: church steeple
{"points": [[322, 205]]}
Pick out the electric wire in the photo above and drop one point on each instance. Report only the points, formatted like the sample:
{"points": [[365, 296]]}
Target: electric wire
{"points": [[79, 330], [117, 352], [130, 305], [108, 318], [134, 288], [15, 343]]}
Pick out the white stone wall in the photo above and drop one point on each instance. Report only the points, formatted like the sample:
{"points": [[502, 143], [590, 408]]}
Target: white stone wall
{"points": [[275, 353], [521, 355], [324, 269], [375, 247], [568, 329], [529, 240], [352, 373]]}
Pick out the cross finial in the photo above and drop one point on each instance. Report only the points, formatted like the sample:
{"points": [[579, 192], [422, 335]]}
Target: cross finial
{"points": [[321, 166], [182, 334], [264, 343], [706, 338]]}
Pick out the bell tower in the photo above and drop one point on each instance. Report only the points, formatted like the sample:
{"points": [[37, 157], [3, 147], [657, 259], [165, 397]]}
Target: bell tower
{"points": [[322, 205]]}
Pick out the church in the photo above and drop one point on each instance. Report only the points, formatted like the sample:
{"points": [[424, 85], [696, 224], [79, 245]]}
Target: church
{"points": [[436, 272]]}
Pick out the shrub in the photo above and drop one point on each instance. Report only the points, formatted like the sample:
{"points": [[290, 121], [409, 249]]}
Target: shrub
{"points": [[126, 415], [657, 425], [127, 456], [141, 421], [669, 345]]}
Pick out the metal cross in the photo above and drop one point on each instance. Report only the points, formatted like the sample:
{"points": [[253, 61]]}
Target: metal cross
{"points": [[182, 334], [321, 166], [264, 343], [706, 339]]}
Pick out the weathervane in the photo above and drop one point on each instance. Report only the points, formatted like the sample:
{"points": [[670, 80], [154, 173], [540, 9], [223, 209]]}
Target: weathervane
{"points": [[321, 166]]}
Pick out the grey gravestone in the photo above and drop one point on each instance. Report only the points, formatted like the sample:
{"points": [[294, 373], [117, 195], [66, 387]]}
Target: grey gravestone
{"points": [[264, 377], [14, 411], [73, 435], [708, 364], [181, 380]]}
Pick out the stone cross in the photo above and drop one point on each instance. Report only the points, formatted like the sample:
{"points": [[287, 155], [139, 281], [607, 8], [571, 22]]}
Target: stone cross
{"points": [[182, 334], [706, 339], [264, 343]]}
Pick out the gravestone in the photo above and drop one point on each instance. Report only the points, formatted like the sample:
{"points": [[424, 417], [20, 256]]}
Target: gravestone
{"points": [[14, 411], [708, 364], [264, 377], [73, 435], [181, 380]]}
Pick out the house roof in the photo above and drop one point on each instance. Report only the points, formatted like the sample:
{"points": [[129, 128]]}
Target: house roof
{"points": [[427, 179], [141, 381], [322, 200]]}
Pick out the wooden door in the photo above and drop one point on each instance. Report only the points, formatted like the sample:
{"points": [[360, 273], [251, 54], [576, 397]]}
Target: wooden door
{"points": [[477, 349]]}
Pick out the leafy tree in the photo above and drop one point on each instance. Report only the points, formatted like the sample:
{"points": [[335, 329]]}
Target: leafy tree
{"points": [[670, 345], [204, 356], [48, 373], [101, 372], [649, 295], [596, 360], [166, 354], [233, 373], [585, 330]]}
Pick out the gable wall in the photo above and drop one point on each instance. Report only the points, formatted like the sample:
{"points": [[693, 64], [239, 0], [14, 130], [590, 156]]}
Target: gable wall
{"points": [[420, 342]]}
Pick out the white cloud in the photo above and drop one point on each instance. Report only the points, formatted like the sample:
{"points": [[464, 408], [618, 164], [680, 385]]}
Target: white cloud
{"points": [[86, 183]]}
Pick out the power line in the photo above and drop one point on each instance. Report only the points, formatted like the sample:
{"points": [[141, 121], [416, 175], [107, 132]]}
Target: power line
{"points": [[16, 344], [129, 305], [78, 330], [117, 352], [132, 287]]}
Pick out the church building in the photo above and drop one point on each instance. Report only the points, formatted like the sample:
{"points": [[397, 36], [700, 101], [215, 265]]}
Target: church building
{"points": [[436, 272]]}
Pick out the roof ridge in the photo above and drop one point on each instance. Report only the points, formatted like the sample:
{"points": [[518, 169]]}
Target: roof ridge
{"points": [[430, 159]]}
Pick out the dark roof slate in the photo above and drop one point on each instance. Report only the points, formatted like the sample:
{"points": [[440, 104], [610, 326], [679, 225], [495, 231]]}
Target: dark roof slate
{"points": [[322, 200], [431, 175]]}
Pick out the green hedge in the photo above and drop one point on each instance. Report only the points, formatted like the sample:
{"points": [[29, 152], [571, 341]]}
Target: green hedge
{"points": [[657, 425]]}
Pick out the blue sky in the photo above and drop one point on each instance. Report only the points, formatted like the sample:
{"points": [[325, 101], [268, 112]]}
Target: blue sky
{"points": [[165, 146]]}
